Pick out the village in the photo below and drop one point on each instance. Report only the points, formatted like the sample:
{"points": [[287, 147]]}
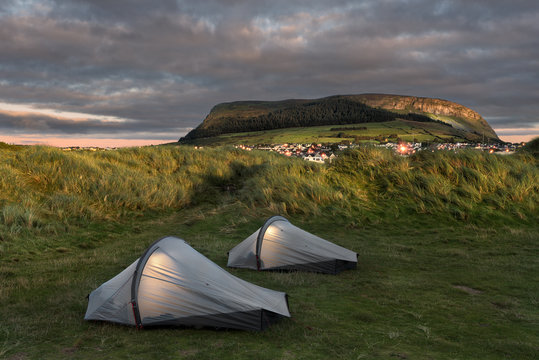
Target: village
{"points": [[321, 153]]}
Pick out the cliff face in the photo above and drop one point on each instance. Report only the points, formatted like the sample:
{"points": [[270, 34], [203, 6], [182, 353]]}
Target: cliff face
{"points": [[469, 118], [433, 106]]}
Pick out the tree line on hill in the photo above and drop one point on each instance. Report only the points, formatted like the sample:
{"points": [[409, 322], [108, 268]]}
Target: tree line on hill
{"points": [[336, 111]]}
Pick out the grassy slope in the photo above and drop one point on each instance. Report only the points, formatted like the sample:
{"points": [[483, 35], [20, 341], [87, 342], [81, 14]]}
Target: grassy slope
{"points": [[447, 243], [406, 130]]}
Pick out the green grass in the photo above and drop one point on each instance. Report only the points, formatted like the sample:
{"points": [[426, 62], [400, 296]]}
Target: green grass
{"points": [[447, 249], [403, 129]]}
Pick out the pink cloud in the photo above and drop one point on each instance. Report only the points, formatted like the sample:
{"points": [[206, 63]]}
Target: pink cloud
{"points": [[518, 138]]}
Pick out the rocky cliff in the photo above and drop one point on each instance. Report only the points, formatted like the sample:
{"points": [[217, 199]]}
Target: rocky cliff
{"points": [[440, 108]]}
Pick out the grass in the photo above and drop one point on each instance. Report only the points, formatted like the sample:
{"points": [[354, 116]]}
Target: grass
{"points": [[447, 243], [404, 129]]}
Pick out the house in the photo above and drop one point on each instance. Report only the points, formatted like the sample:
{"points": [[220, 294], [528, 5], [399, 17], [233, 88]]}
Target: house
{"points": [[314, 158]]}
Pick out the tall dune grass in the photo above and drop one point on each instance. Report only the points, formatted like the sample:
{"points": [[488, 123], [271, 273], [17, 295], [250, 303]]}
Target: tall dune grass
{"points": [[468, 185], [43, 189]]}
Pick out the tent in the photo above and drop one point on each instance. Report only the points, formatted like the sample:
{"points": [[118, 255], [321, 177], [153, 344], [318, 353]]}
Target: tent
{"points": [[279, 245], [173, 284]]}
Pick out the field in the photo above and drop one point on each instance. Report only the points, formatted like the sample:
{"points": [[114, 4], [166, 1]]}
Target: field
{"points": [[391, 130], [447, 243]]}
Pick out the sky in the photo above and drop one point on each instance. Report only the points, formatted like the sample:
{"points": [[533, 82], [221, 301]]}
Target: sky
{"points": [[138, 72]]}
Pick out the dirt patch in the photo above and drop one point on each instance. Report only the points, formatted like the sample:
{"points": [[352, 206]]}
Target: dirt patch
{"points": [[69, 350], [468, 290]]}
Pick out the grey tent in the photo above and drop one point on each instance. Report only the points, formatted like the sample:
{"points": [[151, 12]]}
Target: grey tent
{"points": [[279, 245], [173, 284]]}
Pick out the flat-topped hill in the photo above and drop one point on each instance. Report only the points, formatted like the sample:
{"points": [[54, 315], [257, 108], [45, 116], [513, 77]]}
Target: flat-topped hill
{"points": [[252, 116]]}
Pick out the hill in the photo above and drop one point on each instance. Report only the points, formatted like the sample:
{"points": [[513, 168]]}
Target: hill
{"points": [[459, 121]]}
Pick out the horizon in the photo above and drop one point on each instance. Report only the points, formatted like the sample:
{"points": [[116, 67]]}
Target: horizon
{"points": [[118, 142]]}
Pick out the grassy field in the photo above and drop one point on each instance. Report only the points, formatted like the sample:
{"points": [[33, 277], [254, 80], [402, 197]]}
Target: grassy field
{"points": [[448, 250], [403, 129]]}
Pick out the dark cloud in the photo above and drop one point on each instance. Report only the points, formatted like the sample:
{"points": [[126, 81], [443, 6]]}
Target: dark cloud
{"points": [[163, 64]]}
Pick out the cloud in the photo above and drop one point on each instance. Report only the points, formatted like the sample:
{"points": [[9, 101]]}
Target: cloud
{"points": [[164, 64], [20, 119]]}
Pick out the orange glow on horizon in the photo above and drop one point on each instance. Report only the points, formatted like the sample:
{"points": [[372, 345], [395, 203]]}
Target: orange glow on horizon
{"points": [[82, 142], [518, 138]]}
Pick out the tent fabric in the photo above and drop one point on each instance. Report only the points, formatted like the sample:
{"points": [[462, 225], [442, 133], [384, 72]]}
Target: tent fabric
{"points": [[279, 245], [173, 284]]}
